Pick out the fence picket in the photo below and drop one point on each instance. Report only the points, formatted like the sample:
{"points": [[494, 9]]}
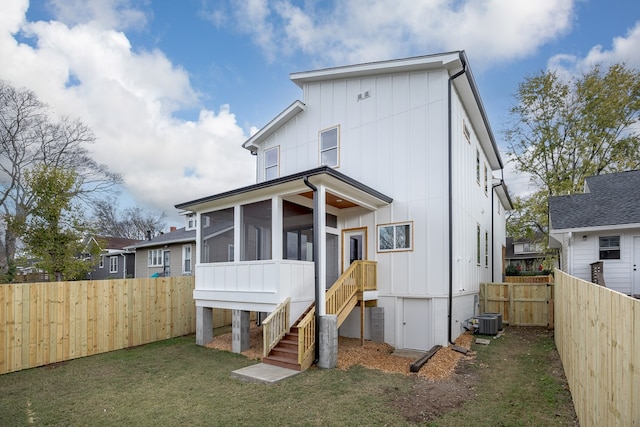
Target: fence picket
{"points": [[42, 323]]}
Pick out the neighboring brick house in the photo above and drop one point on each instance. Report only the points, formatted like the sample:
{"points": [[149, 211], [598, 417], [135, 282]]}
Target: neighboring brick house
{"points": [[169, 254], [116, 262]]}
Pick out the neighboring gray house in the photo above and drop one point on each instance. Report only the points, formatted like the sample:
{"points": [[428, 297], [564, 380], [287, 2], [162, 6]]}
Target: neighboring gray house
{"points": [[116, 262], [600, 225], [169, 254]]}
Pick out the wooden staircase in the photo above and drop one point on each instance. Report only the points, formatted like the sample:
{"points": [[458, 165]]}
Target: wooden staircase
{"points": [[341, 298], [285, 354]]}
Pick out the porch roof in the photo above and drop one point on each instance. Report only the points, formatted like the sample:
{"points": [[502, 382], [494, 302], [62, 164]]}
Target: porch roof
{"points": [[336, 182]]}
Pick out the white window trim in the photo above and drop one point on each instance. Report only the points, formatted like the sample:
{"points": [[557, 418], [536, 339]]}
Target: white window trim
{"points": [[157, 260], [113, 264], [394, 225], [337, 147], [276, 165], [184, 259]]}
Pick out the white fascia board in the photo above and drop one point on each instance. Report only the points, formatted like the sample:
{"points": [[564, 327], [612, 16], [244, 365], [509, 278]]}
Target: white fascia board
{"points": [[596, 228], [444, 60], [270, 128]]}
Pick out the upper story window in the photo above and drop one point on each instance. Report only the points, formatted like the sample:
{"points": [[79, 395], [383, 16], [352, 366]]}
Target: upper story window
{"points": [[478, 166], [192, 221], [523, 248], [609, 247], [466, 132], [155, 258], [395, 237], [486, 179], [272, 163], [113, 264], [330, 147], [101, 265]]}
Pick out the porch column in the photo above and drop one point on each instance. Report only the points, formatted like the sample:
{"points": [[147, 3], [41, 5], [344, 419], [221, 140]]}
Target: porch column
{"points": [[321, 251], [204, 325], [276, 229], [240, 331]]}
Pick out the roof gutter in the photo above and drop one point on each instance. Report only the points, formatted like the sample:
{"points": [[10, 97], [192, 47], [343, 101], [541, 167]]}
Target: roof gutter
{"points": [[316, 265], [450, 189]]}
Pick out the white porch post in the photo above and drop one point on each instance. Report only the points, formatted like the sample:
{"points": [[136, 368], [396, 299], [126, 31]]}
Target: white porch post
{"points": [[321, 252], [237, 235], [276, 229]]}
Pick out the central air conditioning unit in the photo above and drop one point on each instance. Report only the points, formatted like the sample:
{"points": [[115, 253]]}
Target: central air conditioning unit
{"points": [[488, 324]]}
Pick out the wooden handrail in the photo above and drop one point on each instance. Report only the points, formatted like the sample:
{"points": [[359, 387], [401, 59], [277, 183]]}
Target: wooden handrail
{"points": [[360, 276], [275, 326]]}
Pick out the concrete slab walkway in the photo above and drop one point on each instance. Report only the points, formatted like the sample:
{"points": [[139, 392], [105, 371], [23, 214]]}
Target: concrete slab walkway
{"points": [[263, 373]]}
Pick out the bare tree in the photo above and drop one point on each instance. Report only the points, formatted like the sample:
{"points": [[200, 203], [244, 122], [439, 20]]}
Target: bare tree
{"points": [[30, 136], [131, 223]]}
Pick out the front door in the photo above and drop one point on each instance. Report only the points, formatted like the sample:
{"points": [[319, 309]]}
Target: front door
{"points": [[635, 269], [354, 246]]}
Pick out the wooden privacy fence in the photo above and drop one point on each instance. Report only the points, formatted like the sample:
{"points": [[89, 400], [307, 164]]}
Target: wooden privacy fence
{"points": [[597, 335], [42, 323], [521, 304]]}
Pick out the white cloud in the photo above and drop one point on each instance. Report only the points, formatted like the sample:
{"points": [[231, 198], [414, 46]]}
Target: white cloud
{"points": [[623, 49], [130, 100], [118, 14], [361, 30]]}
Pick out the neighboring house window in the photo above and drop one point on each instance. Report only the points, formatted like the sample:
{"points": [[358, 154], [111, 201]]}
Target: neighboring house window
{"points": [[486, 248], [186, 259], [395, 237], [329, 147], [478, 166], [609, 247], [272, 163], [465, 131], [101, 265], [478, 244], [113, 264], [155, 258]]}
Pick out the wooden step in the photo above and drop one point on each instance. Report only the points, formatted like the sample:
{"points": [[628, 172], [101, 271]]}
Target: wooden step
{"points": [[283, 362], [285, 352]]}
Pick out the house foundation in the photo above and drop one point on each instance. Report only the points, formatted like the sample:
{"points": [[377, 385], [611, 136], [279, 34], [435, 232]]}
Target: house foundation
{"points": [[240, 325], [204, 325]]}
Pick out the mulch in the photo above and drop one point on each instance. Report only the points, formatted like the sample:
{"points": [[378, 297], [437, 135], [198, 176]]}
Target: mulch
{"points": [[372, 355]]}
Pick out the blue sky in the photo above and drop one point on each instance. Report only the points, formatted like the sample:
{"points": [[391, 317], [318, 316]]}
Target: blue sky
{"points": [[172, 88]]}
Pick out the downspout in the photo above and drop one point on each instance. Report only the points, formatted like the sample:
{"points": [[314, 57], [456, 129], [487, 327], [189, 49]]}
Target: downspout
{"points": [[316, 266], [450, 154]]}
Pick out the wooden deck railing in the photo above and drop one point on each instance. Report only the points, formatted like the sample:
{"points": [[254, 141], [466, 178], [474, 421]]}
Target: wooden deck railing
{"points": [[275, 326], [340, 299]]}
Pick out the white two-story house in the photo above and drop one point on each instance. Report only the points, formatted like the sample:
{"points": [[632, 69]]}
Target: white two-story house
{"points": [[391, 162]]}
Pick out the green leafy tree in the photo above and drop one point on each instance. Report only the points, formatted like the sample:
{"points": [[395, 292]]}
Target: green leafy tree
{"points": [[30, 136], [563, 131], [54, 232]]}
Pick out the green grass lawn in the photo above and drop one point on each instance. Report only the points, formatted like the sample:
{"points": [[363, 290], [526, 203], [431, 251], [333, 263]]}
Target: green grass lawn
{"points": [[176, 382]]}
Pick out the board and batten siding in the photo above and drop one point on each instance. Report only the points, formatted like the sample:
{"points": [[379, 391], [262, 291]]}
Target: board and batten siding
{"points": [[396, 141]]}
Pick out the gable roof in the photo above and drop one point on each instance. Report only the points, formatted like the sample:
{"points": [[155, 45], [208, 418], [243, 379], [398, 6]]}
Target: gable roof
{"points": [[455, 63], [181, 235], [611, 200]]}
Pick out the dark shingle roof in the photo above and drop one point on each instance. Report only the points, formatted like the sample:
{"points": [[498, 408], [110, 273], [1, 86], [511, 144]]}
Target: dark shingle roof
{"points": [[612, 199], [179, 236]]}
